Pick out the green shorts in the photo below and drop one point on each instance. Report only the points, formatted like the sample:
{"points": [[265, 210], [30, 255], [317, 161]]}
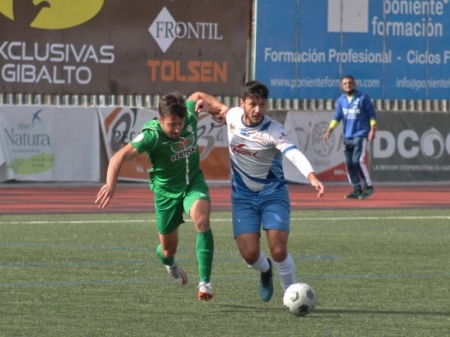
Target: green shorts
{"points": [[169, 211]]}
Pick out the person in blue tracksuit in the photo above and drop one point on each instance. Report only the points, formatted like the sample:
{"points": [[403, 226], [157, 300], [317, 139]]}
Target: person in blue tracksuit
{"points": [[356, 111]]}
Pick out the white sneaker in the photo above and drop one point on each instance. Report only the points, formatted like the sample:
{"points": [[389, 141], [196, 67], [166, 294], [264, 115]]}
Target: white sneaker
{"points": [[177, 274], [205, 291]]}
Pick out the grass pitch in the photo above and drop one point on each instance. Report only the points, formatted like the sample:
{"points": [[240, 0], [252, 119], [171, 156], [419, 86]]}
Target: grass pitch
{"points": [[376, 273]]}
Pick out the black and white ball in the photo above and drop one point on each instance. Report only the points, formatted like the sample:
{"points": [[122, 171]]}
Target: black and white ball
{"points": [[300, 299]]}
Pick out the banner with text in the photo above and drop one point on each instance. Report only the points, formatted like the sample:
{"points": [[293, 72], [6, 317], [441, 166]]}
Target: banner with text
{"points": [[123, 47], [119, 125], [411, 147], [395, 49], [41, 143]]}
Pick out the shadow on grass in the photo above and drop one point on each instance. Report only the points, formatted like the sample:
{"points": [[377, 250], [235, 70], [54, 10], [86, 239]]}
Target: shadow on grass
{"points": [[233, 308], [380, 312]]}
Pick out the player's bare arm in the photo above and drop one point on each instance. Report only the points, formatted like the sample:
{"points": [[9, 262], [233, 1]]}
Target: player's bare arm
{"points": [[210, 104], [371, 136], [104, 196]]}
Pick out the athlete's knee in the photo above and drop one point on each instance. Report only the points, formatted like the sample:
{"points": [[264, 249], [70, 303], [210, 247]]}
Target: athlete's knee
{"points": [[203, 227], [279, 253], [202, 222], [250, 257], [250, 251], [169, 251]]}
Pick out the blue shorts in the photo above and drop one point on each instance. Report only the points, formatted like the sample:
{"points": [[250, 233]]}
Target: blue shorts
{"points": [[272, 211]]}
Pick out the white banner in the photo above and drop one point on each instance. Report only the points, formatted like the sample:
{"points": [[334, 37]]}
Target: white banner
{"points": [[121, 124], [306, 129], [43, 143]]}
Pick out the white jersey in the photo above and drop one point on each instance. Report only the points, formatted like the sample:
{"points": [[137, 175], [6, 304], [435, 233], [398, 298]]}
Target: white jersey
{"points": [[256, 153]]}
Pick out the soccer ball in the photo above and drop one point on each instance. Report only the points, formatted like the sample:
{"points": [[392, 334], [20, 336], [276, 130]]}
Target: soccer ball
{"points": [[299, 299]]}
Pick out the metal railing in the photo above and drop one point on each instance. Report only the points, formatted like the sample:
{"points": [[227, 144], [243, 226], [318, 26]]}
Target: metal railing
{"points": [[152, 101]]}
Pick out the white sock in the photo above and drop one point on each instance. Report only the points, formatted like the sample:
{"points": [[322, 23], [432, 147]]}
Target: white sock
{"points": [[286, 272], [262, 264]]}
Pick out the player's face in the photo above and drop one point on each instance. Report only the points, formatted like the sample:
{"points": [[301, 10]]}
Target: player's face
{"points": [[254, 110], [348, 85], [172, 125]]}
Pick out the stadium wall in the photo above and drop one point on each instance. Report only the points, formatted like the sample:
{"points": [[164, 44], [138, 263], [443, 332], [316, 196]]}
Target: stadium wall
{"points": [[70, 144], [115, 53]]}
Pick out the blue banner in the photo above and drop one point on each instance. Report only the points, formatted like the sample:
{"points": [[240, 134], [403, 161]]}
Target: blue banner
{"points": [[395, 49]]}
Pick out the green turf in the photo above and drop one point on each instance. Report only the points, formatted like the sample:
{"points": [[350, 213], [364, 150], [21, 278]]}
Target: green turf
{"points": [[376, 273]]}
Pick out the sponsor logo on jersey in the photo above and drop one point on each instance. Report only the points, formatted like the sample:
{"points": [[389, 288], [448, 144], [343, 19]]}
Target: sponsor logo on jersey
{"points": [[244, 152], [283, 138], [184, 142], [183, 154], [258, 137]]}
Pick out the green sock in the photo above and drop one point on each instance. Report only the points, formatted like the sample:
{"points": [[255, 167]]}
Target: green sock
{"points": [[167, 261], [205, 252]]}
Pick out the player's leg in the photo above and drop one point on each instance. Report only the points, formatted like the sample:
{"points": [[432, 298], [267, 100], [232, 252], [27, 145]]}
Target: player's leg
{"points": [[360, 152], [197, 205], [200, 212], [169, 215], [276, 223], [246, 231], [281, 258], [166, 253], [249, 248], [352, 164]]}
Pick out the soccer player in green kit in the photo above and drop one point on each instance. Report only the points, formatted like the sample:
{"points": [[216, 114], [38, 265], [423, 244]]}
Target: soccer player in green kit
{"points": [[176, 180]]}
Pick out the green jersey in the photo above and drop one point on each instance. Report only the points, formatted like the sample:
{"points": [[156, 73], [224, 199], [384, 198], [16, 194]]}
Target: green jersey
{"points": [[175, 163]]}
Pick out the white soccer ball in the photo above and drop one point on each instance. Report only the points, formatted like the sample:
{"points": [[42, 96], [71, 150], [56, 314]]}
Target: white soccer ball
{"points": [[299, 299]]}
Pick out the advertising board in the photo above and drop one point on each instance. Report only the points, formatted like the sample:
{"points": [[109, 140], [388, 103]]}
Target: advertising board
{"points": [[396, 49], [123, 47]]}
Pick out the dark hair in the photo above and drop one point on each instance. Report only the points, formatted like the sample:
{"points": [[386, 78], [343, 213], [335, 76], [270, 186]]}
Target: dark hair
{"points": [[254, 89], [348, 77], [172, 104]]}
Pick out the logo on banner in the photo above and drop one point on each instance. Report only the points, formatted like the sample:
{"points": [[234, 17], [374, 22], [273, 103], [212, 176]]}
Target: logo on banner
{"points": [[119, 126], [209, 136], [30, 146], [50, 14], [411, 144], [319, 146], [165, 30], [36, 119], [353, 18], [50, 62]]}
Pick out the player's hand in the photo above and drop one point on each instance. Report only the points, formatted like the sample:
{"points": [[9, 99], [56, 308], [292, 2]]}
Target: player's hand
{"points": [[219, 119], [201, 106], [318, 186], [315, 182], [371, 135], [326, 135], [105, 195]]}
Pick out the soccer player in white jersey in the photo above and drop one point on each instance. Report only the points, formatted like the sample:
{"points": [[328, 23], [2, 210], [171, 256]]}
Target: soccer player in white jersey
{"points": [[259, 193]]}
